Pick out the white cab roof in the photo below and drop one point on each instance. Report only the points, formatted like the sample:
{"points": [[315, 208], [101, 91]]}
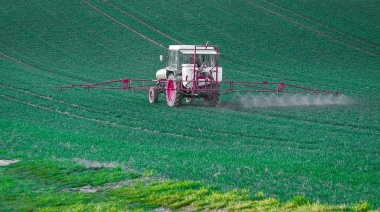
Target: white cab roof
{"points": [[199, 51], [189, 49]]}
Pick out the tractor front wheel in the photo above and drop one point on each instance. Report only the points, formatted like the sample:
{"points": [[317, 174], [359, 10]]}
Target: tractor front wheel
{"points": [[153, 95], [173, 95]]}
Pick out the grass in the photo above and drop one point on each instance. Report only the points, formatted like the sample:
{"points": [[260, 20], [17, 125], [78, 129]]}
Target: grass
{"points": [[327, 153], [59, 185]]}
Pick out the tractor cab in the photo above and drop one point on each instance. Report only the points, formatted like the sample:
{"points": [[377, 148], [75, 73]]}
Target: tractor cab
{"points": [[186, 58]]}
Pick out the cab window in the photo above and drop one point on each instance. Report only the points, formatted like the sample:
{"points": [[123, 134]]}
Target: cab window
{"points": [[173, 60]]}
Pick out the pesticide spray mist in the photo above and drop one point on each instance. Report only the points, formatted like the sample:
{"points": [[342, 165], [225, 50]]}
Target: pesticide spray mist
{"points": [[284, 100]]}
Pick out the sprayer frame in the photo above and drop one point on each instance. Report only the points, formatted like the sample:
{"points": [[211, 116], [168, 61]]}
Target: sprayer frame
{"points": [[197, 91]]}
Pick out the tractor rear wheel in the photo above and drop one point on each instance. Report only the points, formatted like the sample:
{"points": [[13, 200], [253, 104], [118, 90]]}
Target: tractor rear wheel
{"points": [[153, 95], [173, 95], [212, 99]]}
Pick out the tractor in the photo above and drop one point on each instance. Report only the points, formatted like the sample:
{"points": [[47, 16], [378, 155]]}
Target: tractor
{"points": [[191, 72]]}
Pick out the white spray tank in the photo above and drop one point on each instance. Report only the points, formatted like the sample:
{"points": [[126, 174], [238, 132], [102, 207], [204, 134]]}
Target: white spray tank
{"points": [[188, 75]]}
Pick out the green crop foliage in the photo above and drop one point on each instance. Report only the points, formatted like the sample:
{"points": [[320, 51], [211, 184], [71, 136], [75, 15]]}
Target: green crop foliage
{"points": [[288, 148], [46, 189]]}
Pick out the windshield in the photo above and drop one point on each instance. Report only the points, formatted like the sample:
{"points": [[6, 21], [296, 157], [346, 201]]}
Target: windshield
{"points": [[205, 59]]}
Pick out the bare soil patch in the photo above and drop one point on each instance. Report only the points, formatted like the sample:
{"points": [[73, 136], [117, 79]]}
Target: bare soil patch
{"points": [[7, 162]]}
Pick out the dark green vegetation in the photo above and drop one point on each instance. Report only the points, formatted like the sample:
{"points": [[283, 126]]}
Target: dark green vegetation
{"points": [[330, 154]]}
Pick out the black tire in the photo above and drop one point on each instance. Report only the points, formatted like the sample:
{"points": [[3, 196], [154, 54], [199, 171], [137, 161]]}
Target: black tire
{"points": [[178, 99], [153, 95], [212, 99]]}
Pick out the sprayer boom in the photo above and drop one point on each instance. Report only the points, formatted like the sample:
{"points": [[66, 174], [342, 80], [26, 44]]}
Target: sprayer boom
{"points": [[193, 71]]}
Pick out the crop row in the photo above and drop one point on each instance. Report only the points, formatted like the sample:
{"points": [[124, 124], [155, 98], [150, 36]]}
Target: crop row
{"points": [[327, 152], [108, 101], [94, 43], [295, 72], [279, 131], [213, 161]]}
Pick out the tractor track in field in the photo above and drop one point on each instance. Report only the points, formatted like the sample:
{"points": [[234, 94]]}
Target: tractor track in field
{"points": [[73, 30], [41, 69], [141, 21], [291, 81], [219, 132], [175, 40], [168, 36], [23, 63], [312, 29], [52, 46], [102, 112], [134, 128], [160, 32], [149, 130], [49, 98], [341, 89], [338, 127], [322, 24], [95, 120], [286, 143], [122, 24], [73, 58], [341, 126], [155, 42]]}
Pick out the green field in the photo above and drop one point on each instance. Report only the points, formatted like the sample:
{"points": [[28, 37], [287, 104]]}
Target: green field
{"points": [[327, 149]]}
